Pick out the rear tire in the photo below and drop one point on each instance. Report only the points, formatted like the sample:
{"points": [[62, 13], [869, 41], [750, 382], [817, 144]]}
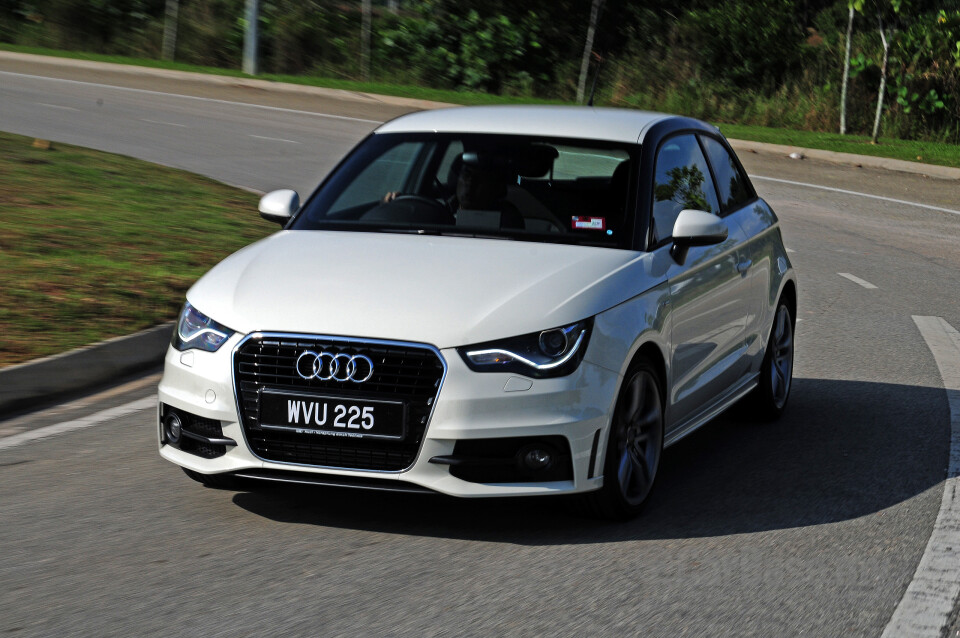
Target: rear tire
{"points": [[634, 446], [769, 400], [216, 481]]}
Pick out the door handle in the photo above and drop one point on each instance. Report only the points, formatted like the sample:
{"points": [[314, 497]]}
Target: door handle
{"points": [[744, 266]]}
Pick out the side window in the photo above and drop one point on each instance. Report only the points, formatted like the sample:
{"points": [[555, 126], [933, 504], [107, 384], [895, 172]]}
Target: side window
{"points": [[389, 172], [682, 180], [730, 181], [445, 174]]}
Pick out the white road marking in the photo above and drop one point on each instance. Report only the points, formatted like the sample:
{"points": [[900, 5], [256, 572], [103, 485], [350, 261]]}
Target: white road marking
{"points": [[143, 119], [57, 106], [791, 250], [846, 192], [274, 139], [928, 602], [78, 424], [192, 97], [863, 282]]}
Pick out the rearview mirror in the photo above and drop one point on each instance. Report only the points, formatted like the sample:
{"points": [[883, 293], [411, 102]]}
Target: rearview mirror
{"points": [[696, 228], [279, 206]]}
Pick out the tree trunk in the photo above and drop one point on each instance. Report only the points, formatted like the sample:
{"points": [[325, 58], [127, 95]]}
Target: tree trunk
{"points": [[170, 30], [365, 40], [883, 82], [250, 38], [588, 49], [846, 75]]}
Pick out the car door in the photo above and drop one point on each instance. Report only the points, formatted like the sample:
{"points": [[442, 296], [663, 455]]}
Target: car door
{"points": [[739, 203], [710, 299]]}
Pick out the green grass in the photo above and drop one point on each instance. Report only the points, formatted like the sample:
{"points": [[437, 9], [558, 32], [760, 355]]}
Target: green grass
{"points": [[95, 245], [914, 151]]}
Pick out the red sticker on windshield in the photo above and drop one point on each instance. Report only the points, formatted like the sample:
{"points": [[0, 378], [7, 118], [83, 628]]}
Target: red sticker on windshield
{"points": [[589, 223]]}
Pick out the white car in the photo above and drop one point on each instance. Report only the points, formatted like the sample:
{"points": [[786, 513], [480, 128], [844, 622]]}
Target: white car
{"points": [[490, 301]]}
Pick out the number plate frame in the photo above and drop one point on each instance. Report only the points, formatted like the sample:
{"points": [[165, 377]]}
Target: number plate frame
{"points": [[269, 421]]}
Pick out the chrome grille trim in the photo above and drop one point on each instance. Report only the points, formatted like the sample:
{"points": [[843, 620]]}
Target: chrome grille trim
{"points": [[347, 341]]}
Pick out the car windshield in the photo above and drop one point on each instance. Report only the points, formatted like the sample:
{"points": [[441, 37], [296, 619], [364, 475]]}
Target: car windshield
{"points": [[505, 186]]}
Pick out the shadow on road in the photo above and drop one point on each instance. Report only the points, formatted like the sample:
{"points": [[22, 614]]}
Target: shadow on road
{"points": [[845, 449]]}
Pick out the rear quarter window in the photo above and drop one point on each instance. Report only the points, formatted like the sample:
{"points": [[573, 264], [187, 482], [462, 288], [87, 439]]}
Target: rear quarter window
{"points": [[731, 182]]}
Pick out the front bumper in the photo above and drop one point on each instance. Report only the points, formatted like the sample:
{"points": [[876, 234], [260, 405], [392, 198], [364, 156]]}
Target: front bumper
{"points": [[469, 406]]}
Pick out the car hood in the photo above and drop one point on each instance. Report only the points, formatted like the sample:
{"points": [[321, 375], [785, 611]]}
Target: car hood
{"points": [[444, 291]]}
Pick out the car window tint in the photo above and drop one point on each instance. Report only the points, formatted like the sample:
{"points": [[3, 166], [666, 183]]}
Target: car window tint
{"points": [[445, 172], [387, 173], [555, 190], [682, 181], [578, 163], [730, 181]]}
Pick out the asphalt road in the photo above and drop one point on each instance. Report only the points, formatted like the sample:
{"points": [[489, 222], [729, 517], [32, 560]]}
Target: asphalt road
{"points": [[810, 526]]}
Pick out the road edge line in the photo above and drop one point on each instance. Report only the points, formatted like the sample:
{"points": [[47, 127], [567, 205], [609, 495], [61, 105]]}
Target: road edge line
{"points": [[857, 194], [929, 600], [78, 424]]}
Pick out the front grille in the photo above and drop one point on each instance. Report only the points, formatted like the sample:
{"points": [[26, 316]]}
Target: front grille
{"points": [[408, 373]]}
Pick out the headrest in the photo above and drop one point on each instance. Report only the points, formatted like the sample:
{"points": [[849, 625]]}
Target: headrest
{"points": [[528, 160]]}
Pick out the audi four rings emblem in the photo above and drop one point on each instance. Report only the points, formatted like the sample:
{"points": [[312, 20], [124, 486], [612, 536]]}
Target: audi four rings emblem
{"points": [[325, 366]]}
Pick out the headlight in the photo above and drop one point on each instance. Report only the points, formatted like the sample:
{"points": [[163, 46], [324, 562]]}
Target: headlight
{"points": [[196, 330], [550, 353]]}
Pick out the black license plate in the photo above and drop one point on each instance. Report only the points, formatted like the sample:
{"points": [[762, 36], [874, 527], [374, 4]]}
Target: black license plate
{"points": [[332, 416]]}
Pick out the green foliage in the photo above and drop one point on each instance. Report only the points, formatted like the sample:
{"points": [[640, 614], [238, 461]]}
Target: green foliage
{"points": [[747, 43], [475, 52]]}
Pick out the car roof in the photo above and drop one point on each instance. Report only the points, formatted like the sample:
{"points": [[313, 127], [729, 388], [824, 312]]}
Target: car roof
{"points": [[583, 122]]}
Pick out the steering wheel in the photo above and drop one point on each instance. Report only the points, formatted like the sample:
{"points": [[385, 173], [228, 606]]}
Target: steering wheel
{"points": [[422, 199], [411, 209]]}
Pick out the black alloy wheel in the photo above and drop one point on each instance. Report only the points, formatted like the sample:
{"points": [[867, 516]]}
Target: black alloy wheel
{"points": [[634, 446], [769, 400]]}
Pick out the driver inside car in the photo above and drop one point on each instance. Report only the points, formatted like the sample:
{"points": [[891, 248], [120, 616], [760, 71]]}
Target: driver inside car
{"points": [[480, 198]]}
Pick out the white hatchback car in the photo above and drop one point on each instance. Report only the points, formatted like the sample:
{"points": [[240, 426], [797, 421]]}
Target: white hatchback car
{"points": [[491, 301]]}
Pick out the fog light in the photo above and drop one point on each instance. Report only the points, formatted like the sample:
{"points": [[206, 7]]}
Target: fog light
{"points": [[173, 428], [537, 459]]}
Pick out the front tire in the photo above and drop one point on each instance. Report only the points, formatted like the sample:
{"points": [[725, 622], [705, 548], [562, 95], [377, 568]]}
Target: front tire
{"points": [[634, 446]]}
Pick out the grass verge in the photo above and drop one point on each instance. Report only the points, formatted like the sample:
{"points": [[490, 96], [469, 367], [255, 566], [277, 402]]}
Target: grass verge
{"points": [[911, 150], [95, 245]]}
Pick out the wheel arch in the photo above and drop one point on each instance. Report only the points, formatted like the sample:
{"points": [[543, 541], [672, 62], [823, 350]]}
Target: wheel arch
{"points": [[789, 295], [652, 353]]}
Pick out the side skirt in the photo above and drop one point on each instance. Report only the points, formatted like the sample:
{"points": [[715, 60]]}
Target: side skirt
{"points": [[696, 422]]}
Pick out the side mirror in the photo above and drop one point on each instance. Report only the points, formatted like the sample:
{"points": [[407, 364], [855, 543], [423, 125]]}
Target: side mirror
{"points": [[696, 228], [279, 206]]}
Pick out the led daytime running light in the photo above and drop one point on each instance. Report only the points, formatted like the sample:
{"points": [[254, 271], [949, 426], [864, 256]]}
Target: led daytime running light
{"points": [[200, 333], [474, 354]]}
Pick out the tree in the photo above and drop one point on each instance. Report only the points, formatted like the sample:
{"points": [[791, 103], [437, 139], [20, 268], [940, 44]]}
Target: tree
{"points": [[846, 72], [588, 48], [365, 39], [170, 30], [883, 80]]}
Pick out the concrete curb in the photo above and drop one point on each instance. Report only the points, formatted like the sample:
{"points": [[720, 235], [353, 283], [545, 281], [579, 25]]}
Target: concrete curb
{"points": [[225, 80], [83, 368], [849, 159]]}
